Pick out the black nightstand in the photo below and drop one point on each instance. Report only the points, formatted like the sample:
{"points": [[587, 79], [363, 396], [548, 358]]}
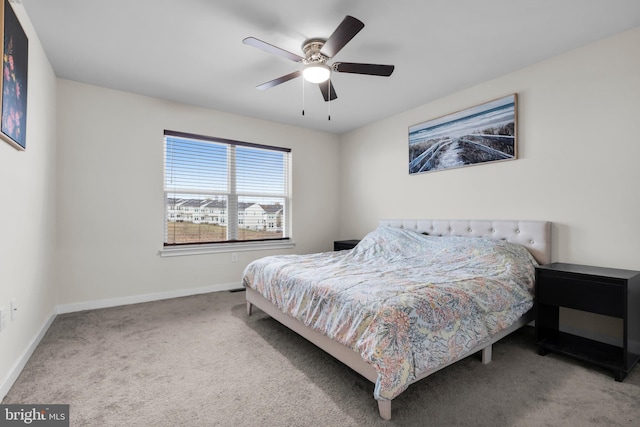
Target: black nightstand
{"points": [[341, 245], [607, 291]]}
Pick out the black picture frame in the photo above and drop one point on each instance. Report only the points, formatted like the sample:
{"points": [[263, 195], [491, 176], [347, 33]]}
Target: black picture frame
{"points": [[14, 81]]}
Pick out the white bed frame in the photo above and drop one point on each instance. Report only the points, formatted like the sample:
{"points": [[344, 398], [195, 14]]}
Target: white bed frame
{"points": [[534, 235]]}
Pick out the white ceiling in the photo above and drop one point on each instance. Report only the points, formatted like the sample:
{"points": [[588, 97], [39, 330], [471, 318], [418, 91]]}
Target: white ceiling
{"points": [[191, 51]]}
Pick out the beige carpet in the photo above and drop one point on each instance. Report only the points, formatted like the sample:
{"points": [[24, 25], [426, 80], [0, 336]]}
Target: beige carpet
{"points": [[200, 361]]}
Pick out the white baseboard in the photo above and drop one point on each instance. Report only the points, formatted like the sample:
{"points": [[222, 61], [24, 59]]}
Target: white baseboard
{"points": [[91, 305], [136, 299], [24, 358]]}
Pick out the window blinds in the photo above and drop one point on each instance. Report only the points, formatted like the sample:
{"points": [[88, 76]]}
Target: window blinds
{"points": [[219, 190]]}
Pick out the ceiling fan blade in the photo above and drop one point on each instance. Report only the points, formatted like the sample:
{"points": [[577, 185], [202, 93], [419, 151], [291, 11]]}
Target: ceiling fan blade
{"points": [[347, 29], [269, 48], [279, 80], [326, 88], [370, 69]]}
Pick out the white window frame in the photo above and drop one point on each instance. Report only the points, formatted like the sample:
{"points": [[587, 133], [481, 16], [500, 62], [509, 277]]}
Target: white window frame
{"points": [[232, 206]]}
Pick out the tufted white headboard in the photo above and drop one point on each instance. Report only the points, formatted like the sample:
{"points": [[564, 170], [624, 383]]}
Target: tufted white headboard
{"points": [[534, 235]]}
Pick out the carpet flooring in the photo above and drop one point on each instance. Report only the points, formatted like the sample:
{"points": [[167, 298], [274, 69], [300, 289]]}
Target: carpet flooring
{"points": [[201, 361]]}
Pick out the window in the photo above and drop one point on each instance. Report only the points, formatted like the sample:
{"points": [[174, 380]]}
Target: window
{"points": [[222, 191]]}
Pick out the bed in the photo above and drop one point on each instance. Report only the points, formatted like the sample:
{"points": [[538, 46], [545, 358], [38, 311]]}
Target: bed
{"points": [[413, 297]]}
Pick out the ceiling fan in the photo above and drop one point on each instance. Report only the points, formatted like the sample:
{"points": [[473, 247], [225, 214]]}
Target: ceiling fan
{"points": [[317, 52]]}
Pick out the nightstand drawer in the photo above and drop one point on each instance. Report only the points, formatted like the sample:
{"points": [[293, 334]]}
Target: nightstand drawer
{"points": [[580, 294]]}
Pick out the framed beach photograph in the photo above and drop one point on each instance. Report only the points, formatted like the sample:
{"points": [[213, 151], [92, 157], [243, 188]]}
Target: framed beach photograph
{"points": [[481, 134], [15, 55]]}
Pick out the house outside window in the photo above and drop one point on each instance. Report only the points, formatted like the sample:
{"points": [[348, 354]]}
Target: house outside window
{"points": [[222, 191]]}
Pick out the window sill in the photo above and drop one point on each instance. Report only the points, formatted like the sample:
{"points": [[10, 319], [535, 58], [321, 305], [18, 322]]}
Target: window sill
{"points": [[170, 251]]}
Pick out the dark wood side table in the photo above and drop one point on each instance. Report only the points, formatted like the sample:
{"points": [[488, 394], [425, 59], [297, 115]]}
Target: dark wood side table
{"points": [[341, 245], [607, 291]]}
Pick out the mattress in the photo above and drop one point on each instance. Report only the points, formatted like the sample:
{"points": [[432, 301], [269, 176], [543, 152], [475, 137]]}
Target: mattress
{"points": [[406, 302]]}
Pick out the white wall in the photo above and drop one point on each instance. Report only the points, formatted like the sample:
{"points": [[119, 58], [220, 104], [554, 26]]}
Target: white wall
{"points": [[579, 148], [28, 217], [110, 195]]}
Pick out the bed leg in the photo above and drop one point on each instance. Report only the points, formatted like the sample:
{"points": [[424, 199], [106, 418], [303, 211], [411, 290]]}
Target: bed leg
{"points": [[384, 407], [486, 354], [249, 306]]}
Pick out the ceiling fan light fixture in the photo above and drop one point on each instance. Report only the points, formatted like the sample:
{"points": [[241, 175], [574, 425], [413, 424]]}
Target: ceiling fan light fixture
{"points": [[316, 73]]}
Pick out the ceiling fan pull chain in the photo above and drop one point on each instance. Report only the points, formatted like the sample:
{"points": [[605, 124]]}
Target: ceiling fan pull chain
{"points": [[303, 97]]}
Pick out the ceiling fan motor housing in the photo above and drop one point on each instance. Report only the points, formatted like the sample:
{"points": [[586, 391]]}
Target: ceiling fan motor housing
{"points": [[311, 49]]}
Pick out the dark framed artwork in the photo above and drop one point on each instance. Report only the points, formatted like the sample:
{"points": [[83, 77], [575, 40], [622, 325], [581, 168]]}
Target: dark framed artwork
{"points": [[15, 56], [481, 134]]}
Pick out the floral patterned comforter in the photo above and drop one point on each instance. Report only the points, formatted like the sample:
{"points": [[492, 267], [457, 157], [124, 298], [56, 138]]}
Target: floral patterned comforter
{"points": [[406, 302]]}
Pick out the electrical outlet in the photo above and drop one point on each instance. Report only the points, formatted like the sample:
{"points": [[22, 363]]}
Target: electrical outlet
{"points": [[234, 257], [3, 319], [13, 306]]}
